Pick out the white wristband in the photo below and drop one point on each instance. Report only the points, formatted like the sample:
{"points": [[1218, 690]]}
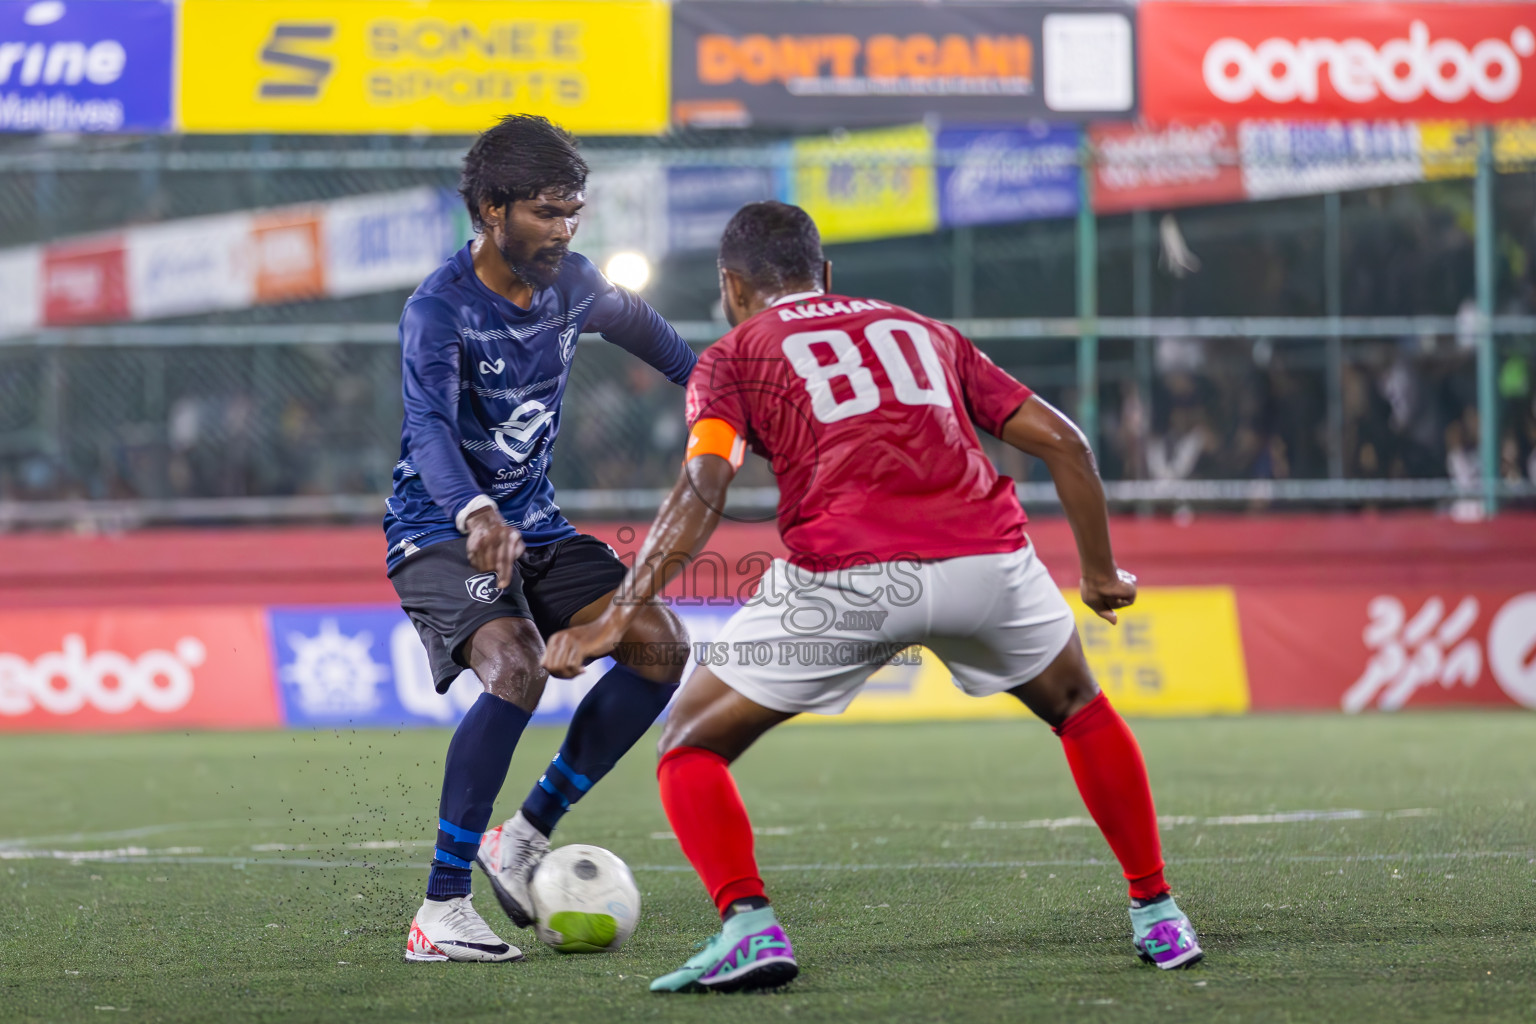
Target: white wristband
{"points": [[474, 505]]}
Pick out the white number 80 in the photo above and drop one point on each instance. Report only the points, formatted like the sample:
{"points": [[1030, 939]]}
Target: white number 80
{"points": [[849, 365]]}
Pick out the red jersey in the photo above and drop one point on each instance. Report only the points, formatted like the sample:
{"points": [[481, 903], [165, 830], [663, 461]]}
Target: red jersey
{"points": [[864, 411]]}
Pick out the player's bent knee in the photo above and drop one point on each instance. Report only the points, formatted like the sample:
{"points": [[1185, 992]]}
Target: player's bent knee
{"points": [[505, 656], [515, 682], [655, 646], [1063, 689]]}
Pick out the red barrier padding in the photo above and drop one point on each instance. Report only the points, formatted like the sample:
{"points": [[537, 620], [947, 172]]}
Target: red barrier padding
{"points": [[345, 565], [1387, 648]]}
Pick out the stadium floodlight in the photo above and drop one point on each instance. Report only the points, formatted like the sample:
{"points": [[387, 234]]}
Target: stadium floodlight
{"points": [[628, 270]]}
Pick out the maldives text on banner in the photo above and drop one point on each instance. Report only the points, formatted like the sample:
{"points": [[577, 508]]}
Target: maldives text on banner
{"points": [[833, 64], [1336, 61], [86, 65], [445, 66]]}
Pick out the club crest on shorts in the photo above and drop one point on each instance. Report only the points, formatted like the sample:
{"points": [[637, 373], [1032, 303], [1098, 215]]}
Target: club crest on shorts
{"points": [[483, 587]]}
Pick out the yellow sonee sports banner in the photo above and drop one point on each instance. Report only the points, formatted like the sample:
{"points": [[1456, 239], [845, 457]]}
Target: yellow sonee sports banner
{"points": [[596, 67], [1176, 652]]}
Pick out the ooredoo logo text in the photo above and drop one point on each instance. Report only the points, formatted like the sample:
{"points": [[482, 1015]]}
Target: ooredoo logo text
{"points": [[1401, 70], [74, 677]]}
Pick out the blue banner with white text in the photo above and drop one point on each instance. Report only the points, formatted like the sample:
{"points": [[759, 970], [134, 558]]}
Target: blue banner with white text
{"points": [[86, 65], [994, 175]]}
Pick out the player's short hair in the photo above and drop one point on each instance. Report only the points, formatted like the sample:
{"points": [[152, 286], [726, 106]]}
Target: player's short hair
{"points": [[520, 157], [773, 245]]}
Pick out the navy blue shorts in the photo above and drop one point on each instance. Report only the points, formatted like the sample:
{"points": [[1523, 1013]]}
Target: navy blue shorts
{"points": [[448, 599]]}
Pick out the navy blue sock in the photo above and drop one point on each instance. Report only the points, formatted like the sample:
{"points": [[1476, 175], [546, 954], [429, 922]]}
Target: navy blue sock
{"points": [[478, 757], [611, 717]]}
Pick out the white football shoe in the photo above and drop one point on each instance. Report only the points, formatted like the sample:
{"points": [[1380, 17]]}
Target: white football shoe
{"points": [[452, 930], [509, 853]]}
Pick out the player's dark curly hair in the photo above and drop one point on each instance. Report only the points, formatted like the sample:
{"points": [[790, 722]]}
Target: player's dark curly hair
{"points": [[520, 157], [773, 245]]}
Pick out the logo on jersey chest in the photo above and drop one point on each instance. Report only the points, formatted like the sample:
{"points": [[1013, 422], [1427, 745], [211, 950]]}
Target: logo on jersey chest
{"points": [[567, 344], [520, 434], [490, 368]]}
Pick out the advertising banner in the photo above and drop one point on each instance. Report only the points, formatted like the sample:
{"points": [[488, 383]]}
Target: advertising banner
{"points": [[1138, 167], [86, 65], [107, 670], [388, 240], [626, 211], [366, 666], [21, 273], [445, 66], [1176, 652], [866, 184], [836, 64], [1337, 61], [85, 282], [996, 175], [700, 200], [1295, 159], [285, 251], [1359, 649], [189, 266], [1448, 149]]}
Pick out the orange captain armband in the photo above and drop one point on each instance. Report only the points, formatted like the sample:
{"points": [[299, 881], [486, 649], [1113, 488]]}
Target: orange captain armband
{"points": [[716, 437]]}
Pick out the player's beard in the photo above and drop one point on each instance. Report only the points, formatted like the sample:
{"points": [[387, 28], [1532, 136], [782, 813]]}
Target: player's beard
{"points": [[541, 269]]}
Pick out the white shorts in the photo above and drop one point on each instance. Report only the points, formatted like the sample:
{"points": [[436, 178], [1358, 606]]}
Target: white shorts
{"points": [[807, 641]]}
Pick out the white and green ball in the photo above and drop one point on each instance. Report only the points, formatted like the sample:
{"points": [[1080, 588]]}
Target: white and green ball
{"points": [[584, 900]]}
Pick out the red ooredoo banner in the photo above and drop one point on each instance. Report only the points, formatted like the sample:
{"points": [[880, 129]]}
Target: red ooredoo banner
{"points": [[1387, 649], [1345, 61], [104, 670]]}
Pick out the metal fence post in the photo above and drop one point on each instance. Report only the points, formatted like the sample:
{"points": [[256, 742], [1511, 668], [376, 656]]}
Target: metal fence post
{"points": [[1087, 299], [963, 280], [1487, 397], [1333, 306]]}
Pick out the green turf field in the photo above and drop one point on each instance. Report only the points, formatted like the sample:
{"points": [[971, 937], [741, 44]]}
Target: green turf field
{"points": [[263, 877]]}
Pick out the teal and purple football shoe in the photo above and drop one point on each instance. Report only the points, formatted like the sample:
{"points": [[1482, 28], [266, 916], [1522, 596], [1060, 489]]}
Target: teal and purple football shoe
{"points": [[750, 952], [1163, 935]]}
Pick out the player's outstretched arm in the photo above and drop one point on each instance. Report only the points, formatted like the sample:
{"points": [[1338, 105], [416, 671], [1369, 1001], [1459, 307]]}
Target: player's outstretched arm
{"points": [[1038, 429], [628, 321], [683, 526]]}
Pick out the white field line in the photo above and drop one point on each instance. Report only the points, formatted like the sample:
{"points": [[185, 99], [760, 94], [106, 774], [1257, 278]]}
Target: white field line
{"points": [[980, 824], [1166, 821], [1175, 820], [131, 855], [143, 831]]}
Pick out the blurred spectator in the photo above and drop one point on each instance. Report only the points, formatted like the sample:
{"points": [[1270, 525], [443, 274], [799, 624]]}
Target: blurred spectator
{"points": [[1183, 451], [1461, 465]]}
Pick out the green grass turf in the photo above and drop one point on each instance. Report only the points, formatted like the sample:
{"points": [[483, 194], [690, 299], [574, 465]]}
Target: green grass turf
{"points": [[951, 914]]}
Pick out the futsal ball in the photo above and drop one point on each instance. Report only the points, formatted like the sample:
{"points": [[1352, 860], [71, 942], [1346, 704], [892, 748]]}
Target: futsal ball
{"points": [[584, 900]]}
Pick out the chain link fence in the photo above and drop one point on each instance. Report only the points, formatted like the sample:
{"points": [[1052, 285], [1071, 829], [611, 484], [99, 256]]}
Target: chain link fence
{"points": [[293, 410]]}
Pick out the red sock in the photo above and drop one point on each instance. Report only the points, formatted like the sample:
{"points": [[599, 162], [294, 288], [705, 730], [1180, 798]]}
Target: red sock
{"points": [[1111, 776], [710, 822]]}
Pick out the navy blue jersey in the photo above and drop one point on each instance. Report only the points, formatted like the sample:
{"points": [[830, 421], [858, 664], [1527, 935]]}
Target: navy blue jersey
{"points": [[483, 379]]}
